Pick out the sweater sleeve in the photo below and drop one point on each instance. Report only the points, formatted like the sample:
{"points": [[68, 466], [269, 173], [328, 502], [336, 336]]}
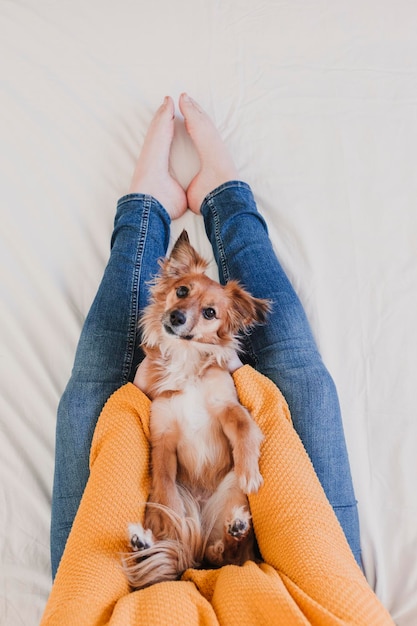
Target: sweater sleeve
{"points": [[297, 530]]}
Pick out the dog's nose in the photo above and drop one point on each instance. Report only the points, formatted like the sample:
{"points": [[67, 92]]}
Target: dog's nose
{"points": [[177, 318]]}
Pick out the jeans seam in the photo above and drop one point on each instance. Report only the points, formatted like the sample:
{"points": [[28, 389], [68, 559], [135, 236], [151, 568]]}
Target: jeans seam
{"points": [[345, 506], [245, 339], [131, 196], [147, 201], [229, 185], [219, 240]]}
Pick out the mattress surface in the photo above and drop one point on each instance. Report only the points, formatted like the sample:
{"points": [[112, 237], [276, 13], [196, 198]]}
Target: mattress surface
{"points": [[317, 102]]}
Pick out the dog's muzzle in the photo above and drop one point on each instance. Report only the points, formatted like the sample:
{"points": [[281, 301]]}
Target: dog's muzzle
{"points": [[177, 318], [174, 323]]}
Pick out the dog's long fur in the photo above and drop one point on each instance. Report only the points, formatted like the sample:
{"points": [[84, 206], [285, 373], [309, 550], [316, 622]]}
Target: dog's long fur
{"points": [[204, 444]]}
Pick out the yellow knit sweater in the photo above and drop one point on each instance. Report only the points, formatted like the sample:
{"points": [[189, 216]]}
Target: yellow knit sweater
{"points": [[309, 575]]}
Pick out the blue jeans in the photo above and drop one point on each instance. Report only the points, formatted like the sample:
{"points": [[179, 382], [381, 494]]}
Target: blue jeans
{"points": [[284, 349]]}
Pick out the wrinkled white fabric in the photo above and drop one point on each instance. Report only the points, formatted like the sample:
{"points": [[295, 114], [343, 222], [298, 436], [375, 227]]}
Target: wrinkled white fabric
{"points": [[317, 102]]}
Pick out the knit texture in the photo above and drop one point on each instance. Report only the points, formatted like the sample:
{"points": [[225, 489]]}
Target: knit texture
{"points": [[309, 575]]}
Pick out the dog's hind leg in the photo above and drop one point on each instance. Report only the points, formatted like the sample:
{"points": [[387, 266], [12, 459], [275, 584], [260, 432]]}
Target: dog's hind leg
{"points": [[157, 558], [140, 539], [227, 524]]}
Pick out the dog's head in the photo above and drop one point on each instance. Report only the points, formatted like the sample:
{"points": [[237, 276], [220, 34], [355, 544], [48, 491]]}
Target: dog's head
{"points": [[188, 305]]}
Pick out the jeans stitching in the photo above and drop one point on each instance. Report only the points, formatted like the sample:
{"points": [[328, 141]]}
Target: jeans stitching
{"points": [[147, 202], [219, 241], [225, 272], [229, 185], [129, 197]]}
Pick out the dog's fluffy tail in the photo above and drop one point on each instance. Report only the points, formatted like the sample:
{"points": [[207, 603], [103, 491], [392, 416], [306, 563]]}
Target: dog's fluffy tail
{"points": [[167, 559]]}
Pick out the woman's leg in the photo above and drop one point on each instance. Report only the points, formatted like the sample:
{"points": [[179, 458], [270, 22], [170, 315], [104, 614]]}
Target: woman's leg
{"points": [[284, 349], [108, 352]]}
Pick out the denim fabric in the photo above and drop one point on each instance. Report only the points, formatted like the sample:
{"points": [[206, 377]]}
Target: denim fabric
{"points": [[284, 349], [107, 353]]}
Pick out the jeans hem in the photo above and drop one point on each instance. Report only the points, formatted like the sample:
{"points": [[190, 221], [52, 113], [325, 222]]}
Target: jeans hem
{"points": [[147, 199], [230, 184]]}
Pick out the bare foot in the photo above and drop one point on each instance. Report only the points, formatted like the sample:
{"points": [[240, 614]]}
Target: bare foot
{"points": [[152, 175], [217, 165]]}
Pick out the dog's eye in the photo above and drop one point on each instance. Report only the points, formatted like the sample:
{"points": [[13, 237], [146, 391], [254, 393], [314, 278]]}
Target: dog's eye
{"points": [[209, 313], [182, 292]]}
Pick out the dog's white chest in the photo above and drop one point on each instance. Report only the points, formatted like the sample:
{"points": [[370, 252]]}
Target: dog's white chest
{"points": [[190, 411], [200, 438], [192, 417]]}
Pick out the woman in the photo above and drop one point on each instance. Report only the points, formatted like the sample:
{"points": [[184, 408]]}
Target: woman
{"points": [[283, 350]]}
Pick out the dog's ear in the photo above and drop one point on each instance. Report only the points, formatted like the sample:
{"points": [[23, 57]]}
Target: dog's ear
{"points": [[245, 310], [184, 259]]}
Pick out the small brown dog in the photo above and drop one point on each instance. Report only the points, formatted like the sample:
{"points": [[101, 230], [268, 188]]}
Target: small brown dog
{"points": [[204, 444]]}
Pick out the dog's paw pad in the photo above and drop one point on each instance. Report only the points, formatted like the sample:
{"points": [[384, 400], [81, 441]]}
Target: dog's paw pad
{"points": [[137, 543], [238, 525], [238, 528], [140, 539]]}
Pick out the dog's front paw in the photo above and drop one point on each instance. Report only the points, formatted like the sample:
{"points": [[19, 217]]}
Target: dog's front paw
{"points": [[139, 538], [250, 481]]}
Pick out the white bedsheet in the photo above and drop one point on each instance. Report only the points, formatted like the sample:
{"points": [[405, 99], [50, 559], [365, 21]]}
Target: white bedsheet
{"points": [[318, 103]]}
